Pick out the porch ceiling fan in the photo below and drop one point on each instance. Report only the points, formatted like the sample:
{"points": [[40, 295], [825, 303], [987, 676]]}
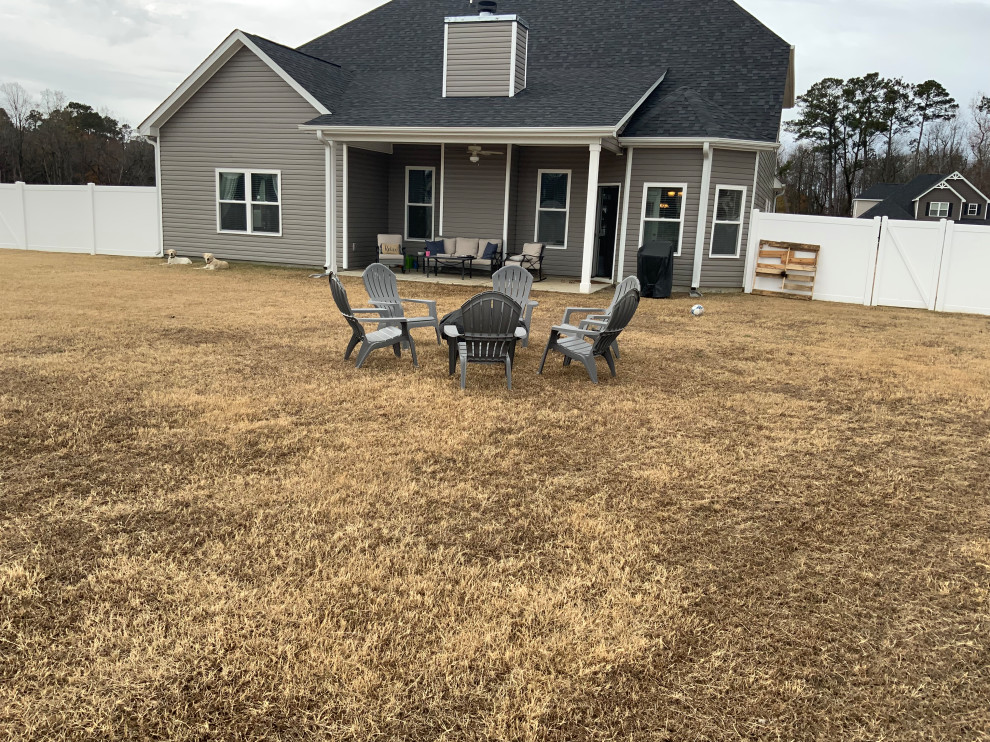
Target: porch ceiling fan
{"points": [[476, 151]]}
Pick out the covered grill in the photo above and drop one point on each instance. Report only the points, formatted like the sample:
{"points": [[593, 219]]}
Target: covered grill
{"points": [[655, 269]]}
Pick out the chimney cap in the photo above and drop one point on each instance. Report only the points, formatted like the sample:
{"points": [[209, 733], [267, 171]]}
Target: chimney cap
{"points": [[487, 7]]}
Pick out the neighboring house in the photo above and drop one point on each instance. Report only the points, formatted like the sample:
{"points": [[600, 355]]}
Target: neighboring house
{"points": [[662, 116], [926, 198]]}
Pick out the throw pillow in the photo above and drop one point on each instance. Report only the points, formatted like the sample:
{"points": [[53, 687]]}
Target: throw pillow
{"points": [[391, 249], [435, 247], [491, 249]]}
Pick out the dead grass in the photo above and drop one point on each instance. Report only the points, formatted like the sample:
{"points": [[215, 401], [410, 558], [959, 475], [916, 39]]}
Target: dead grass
{"points": [[772, 525]]}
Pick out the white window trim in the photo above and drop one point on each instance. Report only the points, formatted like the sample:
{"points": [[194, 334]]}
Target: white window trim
{"points": [[940, 204], [566, 209], [741, 222], [972, 209], [643, 218], [247, 173], [432, 204]]}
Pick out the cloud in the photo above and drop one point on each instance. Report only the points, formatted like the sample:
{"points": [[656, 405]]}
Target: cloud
{"points": [[128, 55]]}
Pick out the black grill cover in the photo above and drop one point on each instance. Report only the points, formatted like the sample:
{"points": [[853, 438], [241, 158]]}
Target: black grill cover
{"points": [[655, 269]]}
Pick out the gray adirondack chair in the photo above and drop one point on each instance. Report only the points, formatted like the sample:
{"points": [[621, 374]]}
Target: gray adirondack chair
{"points": [[383, 291], [597, 317], [516, 282], [393, 330], [490, 332], [573, 343]]}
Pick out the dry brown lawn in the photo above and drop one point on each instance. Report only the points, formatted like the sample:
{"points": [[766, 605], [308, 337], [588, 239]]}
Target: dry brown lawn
{"points": [[772, 525]]}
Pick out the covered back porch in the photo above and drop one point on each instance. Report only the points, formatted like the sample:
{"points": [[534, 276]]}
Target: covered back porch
{"points": [[529, 190]]}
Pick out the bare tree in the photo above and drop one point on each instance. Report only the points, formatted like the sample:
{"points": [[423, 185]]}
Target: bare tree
{"points": [[17, 105]]}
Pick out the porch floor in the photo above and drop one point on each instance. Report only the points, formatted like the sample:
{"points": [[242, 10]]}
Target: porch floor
{"points": [[560, 284]]}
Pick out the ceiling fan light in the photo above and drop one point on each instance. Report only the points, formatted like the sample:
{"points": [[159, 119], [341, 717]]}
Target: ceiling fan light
{"points": [[475, 159]]}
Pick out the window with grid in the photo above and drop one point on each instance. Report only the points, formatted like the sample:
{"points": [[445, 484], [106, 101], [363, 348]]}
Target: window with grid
{"points": [[552, 202], [939, 209], [727, 226], [972, 209], [249, 201], [663, 215], [419, 203]]}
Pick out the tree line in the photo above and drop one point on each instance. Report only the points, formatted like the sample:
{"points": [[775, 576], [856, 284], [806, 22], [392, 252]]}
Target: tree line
{"points": [[59, 142], [852, 134]]}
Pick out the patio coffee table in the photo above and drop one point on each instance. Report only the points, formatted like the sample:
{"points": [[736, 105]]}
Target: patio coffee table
{"points": [[449, 260]]}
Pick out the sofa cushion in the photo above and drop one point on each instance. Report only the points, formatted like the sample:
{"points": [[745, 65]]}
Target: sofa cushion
{"points": [[467, 246], [449, 245], [533, 249]]}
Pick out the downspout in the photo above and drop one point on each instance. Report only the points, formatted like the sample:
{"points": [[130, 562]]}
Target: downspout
{"points": [[700, 238], [626, 198], [330, 188], [156, 140]]}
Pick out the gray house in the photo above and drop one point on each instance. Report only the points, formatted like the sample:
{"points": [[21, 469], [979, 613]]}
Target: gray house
{"points": [[926, 198], [591, 128]]}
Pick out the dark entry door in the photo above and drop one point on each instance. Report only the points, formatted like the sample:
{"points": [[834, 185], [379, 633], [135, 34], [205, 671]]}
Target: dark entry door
{"points": [[606, 229]]}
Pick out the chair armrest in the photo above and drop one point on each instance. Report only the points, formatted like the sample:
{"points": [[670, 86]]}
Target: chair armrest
{"points": [[572, 330], [384, 320], [580, 310], [599, 322], [451, 331], [428, 302], [532, 303]]}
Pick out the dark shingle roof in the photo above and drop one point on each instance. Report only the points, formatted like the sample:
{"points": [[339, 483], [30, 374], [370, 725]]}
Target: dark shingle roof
{"points": [[898, 201], [589, 64]]}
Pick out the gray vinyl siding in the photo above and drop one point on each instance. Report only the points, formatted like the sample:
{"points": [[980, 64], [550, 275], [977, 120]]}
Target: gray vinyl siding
{"points": [[411, 155], [367, 207], [474, 194], [522, 48], [940, 195], [558, 262], [765, 180], [729, 168], [672, 166], [972, 196], [244, 117], [479, 58]]}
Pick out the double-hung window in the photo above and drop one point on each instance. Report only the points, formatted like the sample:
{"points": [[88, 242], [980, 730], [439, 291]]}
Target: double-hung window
{"points": [[939, 209], [249, 201], [552, 202], [972, 209], [663, 214], [727, 226], [419, 203]]}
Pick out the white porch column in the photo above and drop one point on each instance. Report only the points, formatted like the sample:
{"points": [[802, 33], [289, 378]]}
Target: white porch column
{"points": [[345, 199], [590, 214], [330, 189]]}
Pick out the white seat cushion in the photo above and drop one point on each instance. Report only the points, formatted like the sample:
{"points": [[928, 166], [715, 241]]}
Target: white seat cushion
{"points": [[466, 246]]}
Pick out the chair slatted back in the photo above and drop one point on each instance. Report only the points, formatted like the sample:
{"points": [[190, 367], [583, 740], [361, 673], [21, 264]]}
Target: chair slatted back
{"points": [[490, 320], [344, 305], [381, 285], [620, 316], [515, 282], [625, 286]]}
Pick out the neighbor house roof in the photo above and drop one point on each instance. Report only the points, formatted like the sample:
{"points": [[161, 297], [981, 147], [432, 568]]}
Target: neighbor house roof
{"points": [[589, 64], [898, 200]]}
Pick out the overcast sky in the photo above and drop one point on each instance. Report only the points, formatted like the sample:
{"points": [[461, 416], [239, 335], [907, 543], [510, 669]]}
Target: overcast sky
{"points": [[128, 55]]}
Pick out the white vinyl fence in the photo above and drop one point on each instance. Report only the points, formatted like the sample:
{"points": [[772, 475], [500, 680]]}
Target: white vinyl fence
{"points": [[942, 266], [100, 220]]}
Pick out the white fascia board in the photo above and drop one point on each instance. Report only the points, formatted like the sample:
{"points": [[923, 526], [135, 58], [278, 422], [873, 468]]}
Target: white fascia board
{"points": [[625, 119], [938, 187], [211, 65], [466, 135], [485, 19], [744, 145], [959, 176]]}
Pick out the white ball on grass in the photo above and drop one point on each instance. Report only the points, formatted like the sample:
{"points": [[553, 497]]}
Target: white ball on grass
{"points": [[697, 310]]}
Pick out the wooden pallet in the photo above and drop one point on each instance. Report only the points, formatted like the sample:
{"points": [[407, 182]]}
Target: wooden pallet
{"points": [[796, 269]]}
